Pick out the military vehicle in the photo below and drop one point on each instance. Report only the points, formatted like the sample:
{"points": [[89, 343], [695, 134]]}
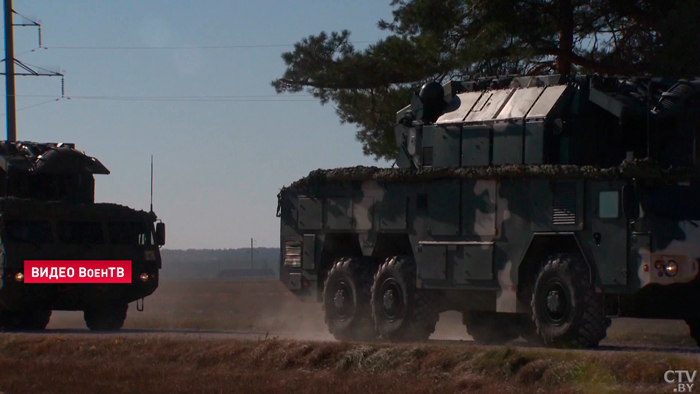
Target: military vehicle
{"points": [[538, 206], [47, 212]]}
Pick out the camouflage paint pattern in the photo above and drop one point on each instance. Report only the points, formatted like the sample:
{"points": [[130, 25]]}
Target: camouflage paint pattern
{"points": [[481, 227]]}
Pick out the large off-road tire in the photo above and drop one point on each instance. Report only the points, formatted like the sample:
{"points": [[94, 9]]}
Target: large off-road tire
{"points": [[491, 327], [30, 320], [527, 329], [694, 327], [401, 312], [566, 310], [346, 296], [107, 319]]}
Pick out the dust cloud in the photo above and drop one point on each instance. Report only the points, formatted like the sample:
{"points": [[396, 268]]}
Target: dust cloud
{"points": [[267, 308]]}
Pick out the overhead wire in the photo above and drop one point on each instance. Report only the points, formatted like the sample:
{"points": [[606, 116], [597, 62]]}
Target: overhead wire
{"points": [[81, 47], [33, 105], [239, 98]]}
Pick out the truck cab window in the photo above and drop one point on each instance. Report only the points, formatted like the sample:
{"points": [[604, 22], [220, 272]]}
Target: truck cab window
{"points": [[26, 231], [609, 205], [130, 233], [80, 232]]}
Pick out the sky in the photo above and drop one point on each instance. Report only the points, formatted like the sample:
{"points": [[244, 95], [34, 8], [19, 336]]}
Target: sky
{"points": [[218, 164]]}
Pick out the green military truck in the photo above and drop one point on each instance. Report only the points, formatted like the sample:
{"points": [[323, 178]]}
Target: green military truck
{"points": [[537, 206], [47, 212]]}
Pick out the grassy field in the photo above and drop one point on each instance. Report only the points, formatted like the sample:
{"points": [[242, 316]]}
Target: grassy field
{"points": [[265, 305], [60, 365], [63, 362]]}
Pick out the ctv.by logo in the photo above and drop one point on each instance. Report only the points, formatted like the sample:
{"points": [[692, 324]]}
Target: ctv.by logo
{"points": [[684, 379]]}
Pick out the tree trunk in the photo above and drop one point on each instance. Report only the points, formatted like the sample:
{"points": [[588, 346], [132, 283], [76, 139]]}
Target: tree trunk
{"points": [[566, 36]]}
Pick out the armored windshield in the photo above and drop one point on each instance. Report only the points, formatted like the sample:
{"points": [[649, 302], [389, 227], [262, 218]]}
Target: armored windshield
{"points": [[126, 233], [80, 232], [28, 231], [130, 233]]}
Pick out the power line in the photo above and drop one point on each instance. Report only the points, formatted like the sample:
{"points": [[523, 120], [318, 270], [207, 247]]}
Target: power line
{"points": [[35, 105], [155, 99], [76, 47], [241, 98], [188, 100], [173, 97]]}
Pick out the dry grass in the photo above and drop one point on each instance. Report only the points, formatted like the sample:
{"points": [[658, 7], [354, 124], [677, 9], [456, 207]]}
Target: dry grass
{"points": [[69, 363], [58, 365]]}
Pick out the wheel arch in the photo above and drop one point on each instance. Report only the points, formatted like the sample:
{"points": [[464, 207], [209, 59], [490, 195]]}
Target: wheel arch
{"points": [[390, 245], [335, 246], [541, 246]]}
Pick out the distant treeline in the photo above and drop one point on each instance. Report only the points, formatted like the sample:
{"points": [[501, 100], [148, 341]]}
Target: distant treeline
{"points": [[213, 263]]}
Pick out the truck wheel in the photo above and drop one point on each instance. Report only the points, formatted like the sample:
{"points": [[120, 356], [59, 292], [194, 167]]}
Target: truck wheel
{"points": [[527, 329], [566, 310], [694, 327], [32, 320], [109, 319], [400, 311], [346, 296], [491, 327]]}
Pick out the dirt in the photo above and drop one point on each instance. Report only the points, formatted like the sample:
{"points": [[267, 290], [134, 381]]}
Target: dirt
{"points": [[265, 306], [255, 337]]}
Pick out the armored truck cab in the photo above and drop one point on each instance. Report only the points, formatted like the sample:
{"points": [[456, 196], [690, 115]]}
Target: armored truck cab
{"points": [[48, 213], [537, 206]]}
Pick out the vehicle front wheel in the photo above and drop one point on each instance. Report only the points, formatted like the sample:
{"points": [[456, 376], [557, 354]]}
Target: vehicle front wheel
{"points": [[107, 319], [346, 296], [31, 320], [566, 310], [694, 327]]}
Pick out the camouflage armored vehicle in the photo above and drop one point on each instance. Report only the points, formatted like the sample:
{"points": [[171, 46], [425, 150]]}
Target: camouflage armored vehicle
{"points": [[47, 212], [539, 207]]}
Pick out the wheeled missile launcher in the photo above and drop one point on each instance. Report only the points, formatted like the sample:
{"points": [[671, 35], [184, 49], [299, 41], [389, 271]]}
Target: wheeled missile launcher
{"points": [[537, 206], [48, 213]]}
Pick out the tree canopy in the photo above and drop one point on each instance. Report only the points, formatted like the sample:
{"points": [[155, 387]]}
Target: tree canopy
{"points": [[435, 40]]}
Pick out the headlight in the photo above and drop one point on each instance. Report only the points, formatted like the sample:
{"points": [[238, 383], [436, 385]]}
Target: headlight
{"points": [[19, 277], [292, 253], [671, 268], [143, 277]]}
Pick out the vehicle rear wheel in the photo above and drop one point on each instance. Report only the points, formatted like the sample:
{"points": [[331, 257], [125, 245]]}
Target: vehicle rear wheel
{"points": [[29, 320], [346, 296], [107, 319], [694, 327], [491, 327], [401, 312], [566, 310]]}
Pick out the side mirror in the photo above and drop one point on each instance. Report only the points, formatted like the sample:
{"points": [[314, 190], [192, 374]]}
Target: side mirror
{"points": [[160, 234], [630, 202]]}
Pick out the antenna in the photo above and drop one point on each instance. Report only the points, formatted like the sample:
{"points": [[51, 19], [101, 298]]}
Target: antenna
{"points": [[151, 183]]}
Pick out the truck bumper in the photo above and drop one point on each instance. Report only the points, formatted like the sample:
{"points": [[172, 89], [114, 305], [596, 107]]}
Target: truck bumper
{"points": [[657, 301]]}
